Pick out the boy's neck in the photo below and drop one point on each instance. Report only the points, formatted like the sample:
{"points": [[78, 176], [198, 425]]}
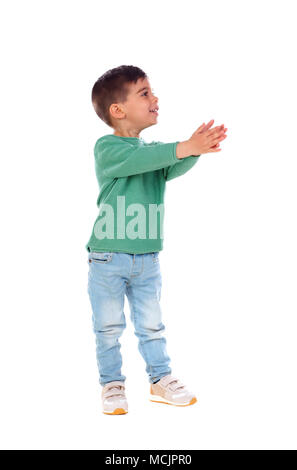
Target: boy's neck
{"points": [[121, 135]]}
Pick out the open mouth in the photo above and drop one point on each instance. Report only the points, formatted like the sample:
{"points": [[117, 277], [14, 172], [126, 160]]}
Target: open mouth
{"points": [[154, 111]]}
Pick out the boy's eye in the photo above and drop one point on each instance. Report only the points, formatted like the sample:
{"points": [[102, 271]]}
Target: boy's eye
{"points": [[146, 92]]}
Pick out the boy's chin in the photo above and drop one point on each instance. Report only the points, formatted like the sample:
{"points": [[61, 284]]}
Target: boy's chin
{"points": [[149, 124]]}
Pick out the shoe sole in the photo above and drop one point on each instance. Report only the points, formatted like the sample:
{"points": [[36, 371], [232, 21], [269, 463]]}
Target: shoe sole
{"points": [[158, 399], [117, 411]]}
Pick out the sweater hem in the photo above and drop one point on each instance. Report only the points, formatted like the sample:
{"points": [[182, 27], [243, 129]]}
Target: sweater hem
{"points": [[106, 250]]}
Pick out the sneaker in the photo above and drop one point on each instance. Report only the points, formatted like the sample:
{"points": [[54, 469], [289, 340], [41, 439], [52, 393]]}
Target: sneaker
{"points": [[170, 390], [114, 400]]}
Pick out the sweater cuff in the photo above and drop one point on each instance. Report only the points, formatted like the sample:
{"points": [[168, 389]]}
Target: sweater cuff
{"points": [[175, 159]]}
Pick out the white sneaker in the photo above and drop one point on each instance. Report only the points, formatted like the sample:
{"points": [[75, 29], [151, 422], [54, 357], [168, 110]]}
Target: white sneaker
{"points": [[170, 390], [114, 401]]}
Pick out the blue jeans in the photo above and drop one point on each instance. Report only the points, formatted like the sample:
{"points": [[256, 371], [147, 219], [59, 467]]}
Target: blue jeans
{"points": [[111, 276]]}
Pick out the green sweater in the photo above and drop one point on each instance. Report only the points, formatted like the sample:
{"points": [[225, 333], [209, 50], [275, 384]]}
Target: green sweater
{"points": [[132, 176]]}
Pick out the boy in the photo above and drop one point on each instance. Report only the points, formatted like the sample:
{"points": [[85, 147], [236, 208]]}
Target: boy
{"points": [[124, 248]]}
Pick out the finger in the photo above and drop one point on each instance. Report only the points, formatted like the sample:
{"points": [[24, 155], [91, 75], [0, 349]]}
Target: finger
{"points": [[200, 129], [215, 131], [219, 128], [208, 125], [214, 138], [213, 150], [217, 139]]}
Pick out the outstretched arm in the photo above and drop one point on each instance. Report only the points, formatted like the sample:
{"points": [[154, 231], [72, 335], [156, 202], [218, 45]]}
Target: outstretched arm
{"points": [[180, 168], [117, 159]]}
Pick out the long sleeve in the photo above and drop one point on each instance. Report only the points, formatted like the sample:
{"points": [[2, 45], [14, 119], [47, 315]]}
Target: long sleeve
{"points": [[180, 167], [118, 159]]}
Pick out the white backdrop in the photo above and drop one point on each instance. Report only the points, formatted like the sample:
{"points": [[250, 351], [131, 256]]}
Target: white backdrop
{"points": [[229, 258]]}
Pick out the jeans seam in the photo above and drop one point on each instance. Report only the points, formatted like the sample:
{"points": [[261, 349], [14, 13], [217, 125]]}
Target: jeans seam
{"points": [[135, 327]]}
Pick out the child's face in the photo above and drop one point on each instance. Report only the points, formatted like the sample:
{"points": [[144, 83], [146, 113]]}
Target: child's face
{"points": [[136, 113]]}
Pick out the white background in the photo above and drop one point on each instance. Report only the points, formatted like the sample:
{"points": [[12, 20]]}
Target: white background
{"points": [[229, 257]]}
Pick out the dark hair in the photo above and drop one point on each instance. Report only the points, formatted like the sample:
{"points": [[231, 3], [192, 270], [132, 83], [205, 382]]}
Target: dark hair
{"points": [[111, 87]]}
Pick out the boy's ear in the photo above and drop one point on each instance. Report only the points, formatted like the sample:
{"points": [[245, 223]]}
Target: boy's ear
{"points": [[116, 111]]}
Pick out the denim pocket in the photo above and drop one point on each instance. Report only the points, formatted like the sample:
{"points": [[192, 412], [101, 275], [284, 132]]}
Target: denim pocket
{"points": [[101, 258]]}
